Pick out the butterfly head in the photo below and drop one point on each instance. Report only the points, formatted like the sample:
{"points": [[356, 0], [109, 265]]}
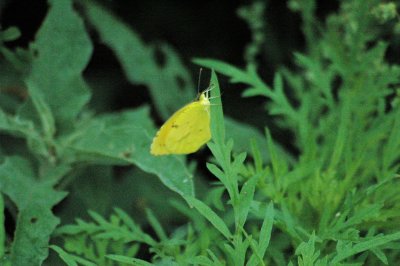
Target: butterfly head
{"points": [[204, 98]]}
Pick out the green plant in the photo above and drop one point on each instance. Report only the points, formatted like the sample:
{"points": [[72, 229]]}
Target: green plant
{"points": [[333, 203]]}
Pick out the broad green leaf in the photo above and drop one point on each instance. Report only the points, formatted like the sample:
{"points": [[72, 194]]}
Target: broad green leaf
{"points": [[61, 51], [170, 85], [210, 215], [34, 200], [123, 139]]}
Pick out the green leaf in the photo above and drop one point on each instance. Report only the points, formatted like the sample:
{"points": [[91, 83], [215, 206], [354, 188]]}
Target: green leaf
{"points": [[210, 215], [45, 115], [69, 259], [266, 230], [236, 252], [19, 127], [245, 198], [236, 74], [242, 133], [217, 115], [216, 261], [264, 237], [279, 166], [155, 224], [217, 172], [202, 260], [373, 243], [380, 255], [139, 64], [34, 200], [61, 51], [307, 252], [129, 261], [10, 34], [122, 139]]}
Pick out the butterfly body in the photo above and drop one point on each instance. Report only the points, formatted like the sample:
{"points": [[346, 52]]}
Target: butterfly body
{"points": [[186, 130]]}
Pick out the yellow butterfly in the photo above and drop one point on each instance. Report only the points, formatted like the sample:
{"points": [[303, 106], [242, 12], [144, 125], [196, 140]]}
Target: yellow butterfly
{"points": [[186, 130]]}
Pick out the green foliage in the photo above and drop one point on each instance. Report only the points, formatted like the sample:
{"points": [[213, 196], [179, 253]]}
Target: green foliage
{"points": [[333, 203], [345, 140], [71, 260], [253, 15], [139, 64], [92, 241], [34, 201]]}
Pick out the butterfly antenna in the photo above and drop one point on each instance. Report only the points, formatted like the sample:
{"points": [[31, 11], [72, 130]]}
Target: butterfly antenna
{"points": [[198, 81], [209, 88]]}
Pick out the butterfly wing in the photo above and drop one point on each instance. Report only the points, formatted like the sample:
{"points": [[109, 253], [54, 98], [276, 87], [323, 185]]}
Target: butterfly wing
{"points": [[185, 132], [191, 130]]}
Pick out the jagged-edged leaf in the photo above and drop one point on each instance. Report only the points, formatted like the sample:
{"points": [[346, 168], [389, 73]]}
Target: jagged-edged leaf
{"points": [[34, 199]]}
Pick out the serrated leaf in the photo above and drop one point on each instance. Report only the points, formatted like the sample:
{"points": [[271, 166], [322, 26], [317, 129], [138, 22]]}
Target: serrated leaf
{"points": [[34, 200]]}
